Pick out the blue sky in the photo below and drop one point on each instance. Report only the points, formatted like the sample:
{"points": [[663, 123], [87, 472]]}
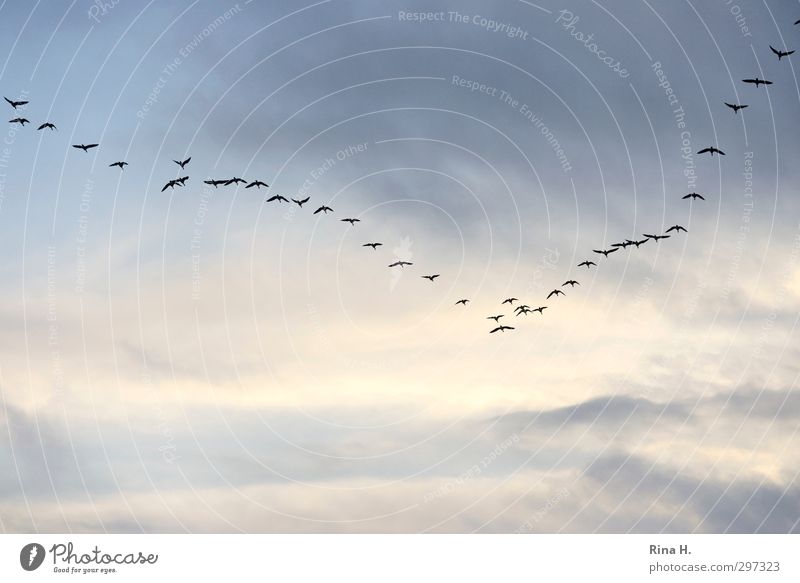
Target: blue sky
{"points": [[200, 360]]}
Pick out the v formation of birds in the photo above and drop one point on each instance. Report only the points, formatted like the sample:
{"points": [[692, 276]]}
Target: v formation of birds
{"points": [[520, 309]]}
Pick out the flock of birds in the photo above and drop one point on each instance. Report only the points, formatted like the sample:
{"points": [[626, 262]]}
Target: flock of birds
{"points": [[520, 309]]}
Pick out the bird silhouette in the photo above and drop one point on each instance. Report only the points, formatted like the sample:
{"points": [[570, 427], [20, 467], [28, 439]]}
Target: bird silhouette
{"points": [[693, 196], [495, 318], [15, 104], [184, 163], [20, 120], [780, 54], [796, 23], [258, 184], [501, 329], [120, 164], [351, 221], [462, 302], [215, 183], [373, 245], [555, 292], [182, 180], [711, 150], [430, 277], [47, 125], [735, 107], [623, 245], [655, 237], [300, 203], [606, 252], [509, 301], [757, 81], [400, 264], [588, 264], [639, 243], [278, 197], [85, 147], [234, 180], [524, 311], [171, 184], [323, 209], [540, 309], [522, 307], [570, 282], [677, 228]]}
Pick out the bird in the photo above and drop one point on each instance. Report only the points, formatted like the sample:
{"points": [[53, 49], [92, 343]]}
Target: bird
{"points": [[501, 329], [214, 183], [524, 311], [588, 264], [258, 184], [278, 197], [509, 301], [677, 228], [555, 292], [570, 282], [655, 237], [234, 180], [120, 164], [757, 81], [522, 308], [540, 309], [182, 180], [300, 203], [85, 147], [47, 125], [373, 245], [351, 221], [323, 209], [496, 318], [184, 163], [462, 302], [606, 252], [780, 54], [693, 196], [712, 150], [430, 277], [623, 245], [15, 104], [400, 264], [20, 120], [734, 107], [638, 243], [796, 23], [171, 184]]}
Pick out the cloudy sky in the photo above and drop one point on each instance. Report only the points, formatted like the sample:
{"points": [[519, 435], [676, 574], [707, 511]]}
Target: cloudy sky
{"points": [[200, 360]]}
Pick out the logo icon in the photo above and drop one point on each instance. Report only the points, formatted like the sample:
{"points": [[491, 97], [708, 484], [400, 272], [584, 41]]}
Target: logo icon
{"points": [[31, 556]]}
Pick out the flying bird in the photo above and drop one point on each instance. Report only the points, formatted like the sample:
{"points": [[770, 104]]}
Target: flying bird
{"points": [[677, 228], [373, 245], [182, 180], [780, 54], [734, 107], [555, 292], [120, 164], [258, 184], [509, 301], [522, 308], [638, 243], [215, 183], [400, 264], [570, 282], [20, 120], [588, 264], [540, 309], [462, 302], [184, 163], [495, 318], [501, 329], [430, 277], [234, 180], [351, 221], [712, 150], [757, 81], [47, 125], [300, 203], [606, 252], [171, 184], [323, 209], [694, 196], [15, 104], [655, 237], [524, 311], [85, 147], [278, 197]]}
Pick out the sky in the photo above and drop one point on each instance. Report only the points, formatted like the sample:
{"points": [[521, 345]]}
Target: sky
{"points": [[200, 360]]}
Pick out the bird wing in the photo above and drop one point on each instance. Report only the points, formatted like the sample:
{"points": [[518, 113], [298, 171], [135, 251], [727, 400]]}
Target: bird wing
{"points": [[189, 159], [319, 210], [11, 102], [704, 150], [774, 51]]}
